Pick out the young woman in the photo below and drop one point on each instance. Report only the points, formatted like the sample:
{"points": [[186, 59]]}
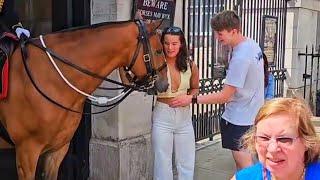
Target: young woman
{"points": [[172, 130]]}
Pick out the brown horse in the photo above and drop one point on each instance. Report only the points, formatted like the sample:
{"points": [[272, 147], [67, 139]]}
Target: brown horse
{"points": [[40, 127]]}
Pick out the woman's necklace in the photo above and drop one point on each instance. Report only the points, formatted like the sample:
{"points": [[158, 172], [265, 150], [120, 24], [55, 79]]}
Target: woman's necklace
{"points": [[266, 174], [303, 176]]}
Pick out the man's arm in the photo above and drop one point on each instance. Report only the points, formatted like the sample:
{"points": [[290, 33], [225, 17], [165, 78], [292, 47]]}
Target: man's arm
{"points": [[221, 97], [215, 98], [270, 88]]}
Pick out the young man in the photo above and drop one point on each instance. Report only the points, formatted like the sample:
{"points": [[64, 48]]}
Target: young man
{"points": [[243, 91]]}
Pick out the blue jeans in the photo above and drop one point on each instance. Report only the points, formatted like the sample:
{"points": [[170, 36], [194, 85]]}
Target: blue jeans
{"points": [[172, 130]]}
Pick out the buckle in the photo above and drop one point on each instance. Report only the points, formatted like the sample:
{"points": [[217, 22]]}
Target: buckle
{"points": [[146, 58]]}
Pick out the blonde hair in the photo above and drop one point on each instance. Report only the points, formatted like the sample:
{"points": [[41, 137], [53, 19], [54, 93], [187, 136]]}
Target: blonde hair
{"points": [[298, 110]]}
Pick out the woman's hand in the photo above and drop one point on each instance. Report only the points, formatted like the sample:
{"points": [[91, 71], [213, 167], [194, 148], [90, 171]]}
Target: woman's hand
{"points": [[180, 101]]}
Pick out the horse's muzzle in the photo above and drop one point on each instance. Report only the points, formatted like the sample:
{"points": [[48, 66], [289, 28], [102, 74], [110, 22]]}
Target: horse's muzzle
{"points": [[161, 85]]}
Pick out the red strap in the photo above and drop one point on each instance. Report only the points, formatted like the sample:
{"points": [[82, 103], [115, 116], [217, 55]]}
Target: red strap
{"points": [[5, 78]]}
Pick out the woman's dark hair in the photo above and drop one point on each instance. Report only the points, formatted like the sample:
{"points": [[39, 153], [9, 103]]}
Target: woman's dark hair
{"points": [[182, 56], [266, 70]]}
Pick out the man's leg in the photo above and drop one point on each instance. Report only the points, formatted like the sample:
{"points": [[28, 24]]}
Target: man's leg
{"points": [[231, 137], [242, 159]]}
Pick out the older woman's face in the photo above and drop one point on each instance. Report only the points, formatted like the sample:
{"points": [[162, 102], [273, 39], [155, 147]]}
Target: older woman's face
{"points": [[279, 147]]}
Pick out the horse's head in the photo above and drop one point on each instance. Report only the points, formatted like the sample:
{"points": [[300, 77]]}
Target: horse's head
{"points": [[148, 62]]}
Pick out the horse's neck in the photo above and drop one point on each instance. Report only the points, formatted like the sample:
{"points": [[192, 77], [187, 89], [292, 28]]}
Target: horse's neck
{"points": [[99, 50]]}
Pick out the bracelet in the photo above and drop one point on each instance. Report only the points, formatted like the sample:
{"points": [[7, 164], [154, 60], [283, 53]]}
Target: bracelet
{"points": [[194, 99]]}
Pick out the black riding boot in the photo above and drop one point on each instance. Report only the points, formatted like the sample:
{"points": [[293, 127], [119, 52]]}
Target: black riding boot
{"points": [[2, 58], [2, 61]]}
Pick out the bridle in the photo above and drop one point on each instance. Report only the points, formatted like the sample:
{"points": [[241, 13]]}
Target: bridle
{"points": [[143, 84], [146, 82]]}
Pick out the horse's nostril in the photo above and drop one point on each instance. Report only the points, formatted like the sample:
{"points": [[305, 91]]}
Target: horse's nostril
{"points": [[161, 86], [166, 86]]}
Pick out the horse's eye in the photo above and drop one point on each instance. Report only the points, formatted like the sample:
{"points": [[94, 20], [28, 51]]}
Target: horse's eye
{"points": [[158, 52]]}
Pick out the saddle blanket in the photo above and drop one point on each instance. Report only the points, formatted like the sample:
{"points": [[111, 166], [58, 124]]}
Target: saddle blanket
{"points": [[4, 79], [7, 43]]}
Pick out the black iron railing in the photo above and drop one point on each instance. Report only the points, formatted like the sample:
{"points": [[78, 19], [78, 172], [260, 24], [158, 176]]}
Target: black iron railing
{"points": [[311, 76]]}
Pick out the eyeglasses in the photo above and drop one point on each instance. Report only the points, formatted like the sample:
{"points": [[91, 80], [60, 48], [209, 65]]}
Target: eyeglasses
{"points": [[280, 141], [174, 30]]}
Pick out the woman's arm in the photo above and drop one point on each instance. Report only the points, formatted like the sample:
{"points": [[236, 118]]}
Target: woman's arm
{"points": [[270, 88]]}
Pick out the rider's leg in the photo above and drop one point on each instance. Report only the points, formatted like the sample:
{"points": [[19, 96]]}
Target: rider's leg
{"points": [[2, 61], [2, 57]]}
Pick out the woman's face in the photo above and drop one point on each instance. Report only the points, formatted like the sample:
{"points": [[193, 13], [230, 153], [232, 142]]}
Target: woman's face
{"points": [[171, 45], [279, 147]]}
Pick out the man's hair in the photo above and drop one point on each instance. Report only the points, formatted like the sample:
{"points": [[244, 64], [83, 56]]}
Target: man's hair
{"points": [[226, 20]]}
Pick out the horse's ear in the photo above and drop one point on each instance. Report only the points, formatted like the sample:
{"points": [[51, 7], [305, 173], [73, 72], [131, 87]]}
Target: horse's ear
{"points": [[157, 23], [154, 25], [138, 15]]}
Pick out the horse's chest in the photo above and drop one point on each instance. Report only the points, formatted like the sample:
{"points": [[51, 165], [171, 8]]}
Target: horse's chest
{"points": [[65, 133]]}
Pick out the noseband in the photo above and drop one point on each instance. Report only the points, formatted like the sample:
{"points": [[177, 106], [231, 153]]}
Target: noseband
{"points": [[148, 80]]}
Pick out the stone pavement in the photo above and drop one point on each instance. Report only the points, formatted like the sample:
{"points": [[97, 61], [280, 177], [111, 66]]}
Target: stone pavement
{"points": [[213, 162]]}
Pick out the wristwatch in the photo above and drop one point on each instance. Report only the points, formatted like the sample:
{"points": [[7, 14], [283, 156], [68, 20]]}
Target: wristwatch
{"points": [[194, 99]]}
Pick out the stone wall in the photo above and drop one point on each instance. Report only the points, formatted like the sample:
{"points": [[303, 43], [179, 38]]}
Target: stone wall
{"points": [[120, 147], [302, 29]]}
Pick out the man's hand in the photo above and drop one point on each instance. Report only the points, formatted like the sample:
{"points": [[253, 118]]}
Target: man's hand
{"points": [[20, 31], [180, 101]]}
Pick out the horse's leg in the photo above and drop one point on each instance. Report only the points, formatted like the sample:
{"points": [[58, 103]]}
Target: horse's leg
{"points": [[52, 162], [4, 144], [27, 155]]}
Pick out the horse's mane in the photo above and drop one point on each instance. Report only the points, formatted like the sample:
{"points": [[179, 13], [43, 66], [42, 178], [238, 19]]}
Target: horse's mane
{"points": [[92, 26], [65, 33], [61, 33]]}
